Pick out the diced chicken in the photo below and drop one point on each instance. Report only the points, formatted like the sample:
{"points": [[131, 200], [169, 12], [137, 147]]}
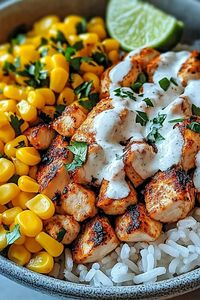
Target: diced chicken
{"points": [[105, 84], [40, 136], [191, 68], [69, 121], [79, 202], [135, 225], [62, 228], [170, 195], [115, 206], [145, 57], [96, 241], [191, 143], [52, 175]]}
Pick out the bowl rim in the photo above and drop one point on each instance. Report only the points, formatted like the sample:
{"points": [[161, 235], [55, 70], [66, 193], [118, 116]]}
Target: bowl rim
{"points": [[167, 288]]}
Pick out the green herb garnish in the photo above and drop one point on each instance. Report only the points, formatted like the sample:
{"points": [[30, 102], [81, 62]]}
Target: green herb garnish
{"points": [[16, 123], [61, 234], [90, 102], [195, 110], [141, 79], [81, 27], [176, 120], [124, 94], [14, 179], [59, 38], [164, 83], [141, 118], [44, 117], [59, 110], [157, 123], [101, 59], [20, 145], [79, 149], [194, 126], [173, 80], [148, 102], [13, 235]]}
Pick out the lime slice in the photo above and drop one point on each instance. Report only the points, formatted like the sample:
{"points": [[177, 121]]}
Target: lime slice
{"points": [[136, 23]]}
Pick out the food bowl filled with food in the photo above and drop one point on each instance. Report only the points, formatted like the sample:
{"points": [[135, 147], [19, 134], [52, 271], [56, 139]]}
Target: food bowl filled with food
{"points": [[100, 147]]}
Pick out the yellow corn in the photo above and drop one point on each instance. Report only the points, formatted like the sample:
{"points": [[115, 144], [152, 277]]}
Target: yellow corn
{"points": [[76, 103], [28, 184], [3, 240], [6, 57], [33, 171], [24, 126], [89, 38], [48, 95], [42, 206], [9, 215], [11, 147], [48, 66], [96, 20], [14, 92], [49, 51], [72, 39], [76, 80], [2, 86], [49, 111], [36, 99], [94, 68], [7, 169], [27, 53], [30, 223], [42, 263], [66, 29], [99, 30], [20, 167], [27, 111], [21, 239], [31, 245], [58, 79], [21, 199], [1, 218], [94, 78], [8, 105], [59, 61], [3, 119], [19, 254], [110, 44], [66, 97], [2, 208], [45, 23], [73, 19], [8, 191], [7, 133], [52, 246], [113, 56], [28, 155]]}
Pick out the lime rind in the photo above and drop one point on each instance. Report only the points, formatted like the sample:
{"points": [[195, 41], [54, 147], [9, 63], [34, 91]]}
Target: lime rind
{"points": [[135, 24]]}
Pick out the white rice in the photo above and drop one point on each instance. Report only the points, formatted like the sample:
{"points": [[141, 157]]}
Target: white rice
{"points": [[177, 251]]}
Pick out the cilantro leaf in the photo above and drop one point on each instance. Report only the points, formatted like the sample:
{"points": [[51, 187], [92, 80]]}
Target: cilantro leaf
{"points": [[14, 179], [81, 27], [79, 149], [194, 126], [157, 123], [164, 83], [83, 90], [101, 59], [124, 94], [148, 102], [61, 234], [89, 102], [16, 124], [43, 42], [59, 38], [141, 117], [20, 145], [141, 79], [59, 109], [78, 45], [195, 110], [13, 235], [44, 117], [176, 120], [173, 80]]}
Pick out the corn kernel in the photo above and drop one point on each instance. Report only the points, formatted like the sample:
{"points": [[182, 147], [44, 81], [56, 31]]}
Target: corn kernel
{"points": [[8, 105], [14, 92], [3, 240], [76, 80], [27, 53], [58, 79], [30, 223], [9, 215], [49, 111], [73, 19], [8, 191], [89, 38], [66, 97], [2, 86], [19, 254], [6, 57], [27, 111], [97, 20], [21, 199], [28, 184], [77, 104], [24, 126], [33, 172], [110, 44], [72, 39], [1, 218], [113, 56], [7, 133], [42, 263], [99, 30], [36, 99], [48, 95], [21, 239], [48, 65], [59, 61], [20, 167], [94, 68], [7, 169], [11, 147], [42, 206], [94, 78], [31, 245], [28, 155], [66, 29], [45, 24], [52, 246], [3, 119]]}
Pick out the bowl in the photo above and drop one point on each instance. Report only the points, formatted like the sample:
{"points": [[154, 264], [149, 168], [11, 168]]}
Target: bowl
{"points": [[14, 13]]}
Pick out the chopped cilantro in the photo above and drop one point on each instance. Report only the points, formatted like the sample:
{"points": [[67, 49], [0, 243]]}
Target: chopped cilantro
{"points": [[101, 59], [61, 234], [173, 80], [79, 149], [164, 83], [141, 117], [59, 38], [14, 179], [16, 123], [124, 94], [44, 117], [84, 89], [81, 27], [195, 110], [194, 126], [141, 79], [89, 102], [20, 145], [13, 235], [157, 123], [78, 45], [59, 109], [43, 42], [176, 120], [148, 102]]}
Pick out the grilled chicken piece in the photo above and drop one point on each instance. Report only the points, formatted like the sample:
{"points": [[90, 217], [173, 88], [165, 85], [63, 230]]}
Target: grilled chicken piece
{"points": [[145, 57], [191, 143], [62, 228], [170, 195], [115, 206], [96, 241], [191, 68], [69, 121], [78, 202], [135, 225], [52, 175], [40, 136]]}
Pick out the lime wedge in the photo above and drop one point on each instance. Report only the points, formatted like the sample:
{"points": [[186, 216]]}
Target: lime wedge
{"points": [[136, 23]]}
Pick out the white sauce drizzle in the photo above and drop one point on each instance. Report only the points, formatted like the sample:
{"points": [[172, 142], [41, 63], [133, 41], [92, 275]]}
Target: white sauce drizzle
{"points": [[111, 130]]}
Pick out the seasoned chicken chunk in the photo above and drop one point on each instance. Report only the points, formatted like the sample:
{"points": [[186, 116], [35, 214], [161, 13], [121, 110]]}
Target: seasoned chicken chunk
{"points": [[170, 195], [115, 206], [191, 142], [40, 136], [191, 68], [79, 202], [52, 175], [62, 228], [69, 121], [95, 241], [135, 225]]}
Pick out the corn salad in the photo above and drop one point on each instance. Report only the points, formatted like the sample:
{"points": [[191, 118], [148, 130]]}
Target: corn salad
{"points": [[41, 72]]}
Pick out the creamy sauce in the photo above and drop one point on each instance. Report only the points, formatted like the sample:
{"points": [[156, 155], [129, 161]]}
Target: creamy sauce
{"points": [[112, 130]]}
